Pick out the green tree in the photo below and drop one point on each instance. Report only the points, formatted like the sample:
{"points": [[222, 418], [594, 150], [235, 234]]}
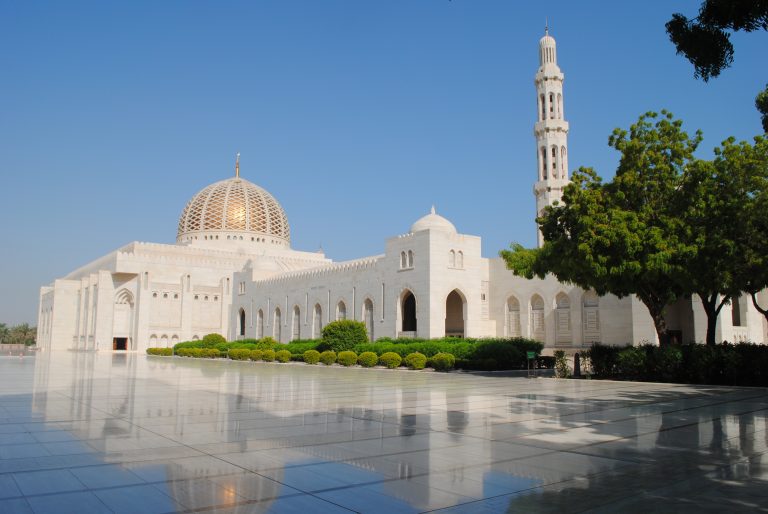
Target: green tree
{"points": [[706, 40], [719, 199], [622, 237], [4, 332], [761, 103], [22, 334], [756, 249]]}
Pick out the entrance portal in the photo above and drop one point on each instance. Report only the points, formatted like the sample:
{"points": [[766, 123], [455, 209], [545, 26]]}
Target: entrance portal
{"points": [[120, 343], [454, 315], [409, 313]]}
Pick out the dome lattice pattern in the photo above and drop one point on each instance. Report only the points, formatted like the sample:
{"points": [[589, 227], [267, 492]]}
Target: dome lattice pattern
{"points": [[234, 204]]}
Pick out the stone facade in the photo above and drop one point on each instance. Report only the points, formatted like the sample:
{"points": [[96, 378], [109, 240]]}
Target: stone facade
{"points": [[232, 271]]}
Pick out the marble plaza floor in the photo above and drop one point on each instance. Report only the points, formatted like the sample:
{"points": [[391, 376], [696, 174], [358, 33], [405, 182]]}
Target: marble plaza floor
{"points": [[81, 433]]}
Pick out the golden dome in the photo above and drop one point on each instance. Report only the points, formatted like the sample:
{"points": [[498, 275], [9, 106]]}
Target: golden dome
{"points": [[234, 209]]}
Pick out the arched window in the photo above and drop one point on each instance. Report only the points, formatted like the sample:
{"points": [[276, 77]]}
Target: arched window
{"points": [[537, 319], [460, 259], [737, 312], [551, 105], [368, 317], [317, 322], [174, 340], [164, 341], [542, 108], [153, 341], [563, 162], [513, 317], [563, 319], [241, 321], [259, 324], [410, 258], [195, 337], [408, 309], [554, 162], [403, 260], [543, 164], [590, 315], [296, 323], [452, 259], [341, 311], [559, 106], [277, 324]]}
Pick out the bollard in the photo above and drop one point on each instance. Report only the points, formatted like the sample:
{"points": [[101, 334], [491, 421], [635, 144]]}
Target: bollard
{"points": [[577, 366]]}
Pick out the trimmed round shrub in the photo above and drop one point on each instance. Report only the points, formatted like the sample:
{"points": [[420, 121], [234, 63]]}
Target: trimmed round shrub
{"points": [[416, 360], [368, 359], [282, 356], [256, 355], [442, 361], [390, 360], [211, 340], [347, 358], [266, 343], [239, 354], [343, 335], [311, 356], [328, 357], [268, 355]]}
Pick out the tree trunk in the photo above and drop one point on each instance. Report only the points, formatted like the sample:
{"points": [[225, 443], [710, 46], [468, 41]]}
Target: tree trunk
{"points": [[712, 309], [656, 310]]}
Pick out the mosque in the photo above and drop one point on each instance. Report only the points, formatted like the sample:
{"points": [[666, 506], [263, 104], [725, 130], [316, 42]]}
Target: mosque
{"points": [[232, 271]]}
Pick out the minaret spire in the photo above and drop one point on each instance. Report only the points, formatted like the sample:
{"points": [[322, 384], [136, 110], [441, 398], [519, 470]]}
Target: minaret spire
{"points": [[550, 129], [237, 165]]}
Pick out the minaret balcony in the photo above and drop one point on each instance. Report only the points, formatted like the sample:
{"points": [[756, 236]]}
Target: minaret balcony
{"points": [[550, 125]]}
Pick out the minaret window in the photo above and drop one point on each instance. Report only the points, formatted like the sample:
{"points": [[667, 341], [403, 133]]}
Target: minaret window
{"points": [[543, 107], [543, 164], [559, 106], [563, 162], [554, 162], [551, 105]]}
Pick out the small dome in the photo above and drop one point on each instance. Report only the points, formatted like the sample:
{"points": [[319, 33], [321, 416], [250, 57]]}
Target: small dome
{"points": [[235, 207], [433, 221]]}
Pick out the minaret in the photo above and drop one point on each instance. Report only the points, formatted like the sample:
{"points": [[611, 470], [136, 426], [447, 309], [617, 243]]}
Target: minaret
{"points": [[551, 129]]}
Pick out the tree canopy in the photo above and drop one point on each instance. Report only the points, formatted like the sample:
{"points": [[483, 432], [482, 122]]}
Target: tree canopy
{"points": [[706, 40], [666, 226]]}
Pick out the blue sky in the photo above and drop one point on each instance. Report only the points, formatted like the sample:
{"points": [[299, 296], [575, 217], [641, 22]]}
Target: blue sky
{"points": [[356, 115]]}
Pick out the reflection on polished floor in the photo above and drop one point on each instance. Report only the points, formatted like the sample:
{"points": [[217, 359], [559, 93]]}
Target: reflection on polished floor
{"points": [[86, 432]]}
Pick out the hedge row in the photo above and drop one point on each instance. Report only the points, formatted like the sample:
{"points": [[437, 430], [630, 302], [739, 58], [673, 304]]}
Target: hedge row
{"points": [[440, 361], [475, 354], [743, 364]]}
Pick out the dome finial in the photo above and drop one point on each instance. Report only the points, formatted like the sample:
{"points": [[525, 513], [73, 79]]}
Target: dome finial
{"points": [[237, 165], [546, 26], [432, 211]]}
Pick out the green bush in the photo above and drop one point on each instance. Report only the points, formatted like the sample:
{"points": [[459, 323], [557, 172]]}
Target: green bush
{"points": [[347, 358], [283, 356], [631, 362], [239, 354], [256, 355], [368, 359], [562, 370], [416, 360], [390, 360], [343, 335], [266, 343], [603, 359], [211, 340], [268, 355], [442, 361], [311, 356], [328, 357], [160, 351]]}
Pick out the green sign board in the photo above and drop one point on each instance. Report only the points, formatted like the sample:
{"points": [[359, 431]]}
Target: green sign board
{"points": [[531, 355]]}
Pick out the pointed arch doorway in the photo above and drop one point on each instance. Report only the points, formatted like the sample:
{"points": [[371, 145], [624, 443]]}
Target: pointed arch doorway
{"points": [[455, 313]]}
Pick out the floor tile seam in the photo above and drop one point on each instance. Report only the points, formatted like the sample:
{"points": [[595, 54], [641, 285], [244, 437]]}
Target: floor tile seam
{"points": [[630, 418], [635, 436], [674, 483], [245, 502]]}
